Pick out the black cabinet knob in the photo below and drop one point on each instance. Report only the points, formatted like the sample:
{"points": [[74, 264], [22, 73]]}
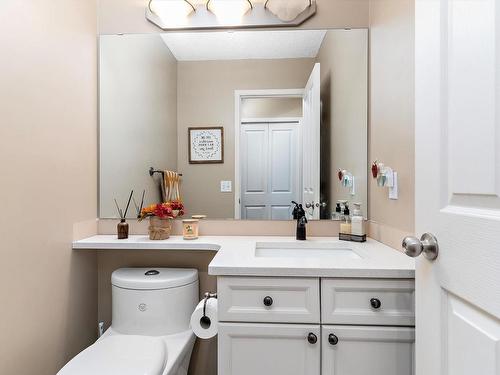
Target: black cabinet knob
{"points": [[312, 338], [375, 302], [333, 339], [268, 301]]}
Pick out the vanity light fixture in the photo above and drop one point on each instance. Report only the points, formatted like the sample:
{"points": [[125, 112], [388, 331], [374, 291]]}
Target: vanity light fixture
{"points": [[287, 10], [229, 11], [220, 14], [173, 13]]}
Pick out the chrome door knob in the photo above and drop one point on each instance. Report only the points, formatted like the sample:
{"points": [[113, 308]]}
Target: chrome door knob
{"points": [[427, 244], [309, 205]]}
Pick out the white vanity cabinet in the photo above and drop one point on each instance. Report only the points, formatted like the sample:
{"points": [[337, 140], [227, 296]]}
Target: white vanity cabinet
{"points": [[314, 326]]}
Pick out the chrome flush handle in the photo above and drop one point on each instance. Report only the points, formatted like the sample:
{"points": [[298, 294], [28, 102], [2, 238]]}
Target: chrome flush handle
{"points": [[427, 244]]}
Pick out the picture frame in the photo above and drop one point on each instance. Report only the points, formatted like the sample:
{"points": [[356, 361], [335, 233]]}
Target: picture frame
{"points": [[206, 145]]}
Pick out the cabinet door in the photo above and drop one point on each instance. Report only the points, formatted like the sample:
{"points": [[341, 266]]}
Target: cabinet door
{"points": [[274, 349], [356, 350]]}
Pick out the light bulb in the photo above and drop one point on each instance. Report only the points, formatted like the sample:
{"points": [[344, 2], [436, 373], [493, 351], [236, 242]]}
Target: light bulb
{"points": [[287, 10], [229, 11], [172, 12]]}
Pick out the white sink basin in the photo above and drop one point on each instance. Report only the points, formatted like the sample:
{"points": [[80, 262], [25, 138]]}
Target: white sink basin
{"points": [[316, 250]]}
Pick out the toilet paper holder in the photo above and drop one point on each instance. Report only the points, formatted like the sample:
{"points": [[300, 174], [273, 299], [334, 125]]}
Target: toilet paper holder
{"points": [[207, 297]]}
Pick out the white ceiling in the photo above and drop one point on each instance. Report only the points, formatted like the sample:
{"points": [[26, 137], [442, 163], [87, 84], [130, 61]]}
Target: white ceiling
{"points": [[238, 45]]}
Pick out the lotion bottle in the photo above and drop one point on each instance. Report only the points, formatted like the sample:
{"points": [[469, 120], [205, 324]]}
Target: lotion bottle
{"points": [[357, 221]]}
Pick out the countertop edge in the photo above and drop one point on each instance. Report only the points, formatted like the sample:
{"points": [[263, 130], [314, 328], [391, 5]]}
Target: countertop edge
{"points": [[376, 273], [233, 257]]}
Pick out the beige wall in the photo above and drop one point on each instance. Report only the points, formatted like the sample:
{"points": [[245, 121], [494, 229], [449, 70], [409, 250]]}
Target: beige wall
{"points": [[127, 16], [138, 117], [392, 108], [206, 98], [344, 127], [48, 141]]}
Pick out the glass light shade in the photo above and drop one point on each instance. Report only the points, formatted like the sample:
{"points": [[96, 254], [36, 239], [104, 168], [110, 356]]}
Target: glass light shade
{"points": [[172, 12], [287, 10], [229, 11]]}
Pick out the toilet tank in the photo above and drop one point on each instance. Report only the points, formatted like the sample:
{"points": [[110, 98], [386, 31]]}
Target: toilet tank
{"points": [[153, 301]]}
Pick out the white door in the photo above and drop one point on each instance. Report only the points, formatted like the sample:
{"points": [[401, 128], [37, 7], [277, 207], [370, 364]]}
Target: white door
{"points": [[458, 186], [268, 349], [310, 143], [361, 350], [269, 170]]}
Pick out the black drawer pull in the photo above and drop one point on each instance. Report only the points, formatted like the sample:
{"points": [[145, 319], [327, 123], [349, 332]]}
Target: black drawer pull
{"points": [[333, 339], [268, 301], [312, 338], [375, 302]]}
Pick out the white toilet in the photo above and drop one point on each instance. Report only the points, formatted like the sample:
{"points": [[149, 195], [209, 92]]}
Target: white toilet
{"points": [[150, 332]]}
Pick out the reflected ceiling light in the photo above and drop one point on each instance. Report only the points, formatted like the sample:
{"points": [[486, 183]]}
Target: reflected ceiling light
{"points": [[229, 10], [172, 12], [287, 10]]}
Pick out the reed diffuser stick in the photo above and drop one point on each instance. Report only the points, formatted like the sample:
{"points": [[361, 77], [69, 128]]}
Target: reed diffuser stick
{"points": [[128, 204], [120, 213], [142, 200]]}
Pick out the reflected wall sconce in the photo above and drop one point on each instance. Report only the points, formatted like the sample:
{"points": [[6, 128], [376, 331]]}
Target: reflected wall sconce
{"points": [[386, 177], [220, 14]]}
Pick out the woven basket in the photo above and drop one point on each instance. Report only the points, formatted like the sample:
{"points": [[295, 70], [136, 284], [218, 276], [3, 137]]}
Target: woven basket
{"points": [[159, 229]]}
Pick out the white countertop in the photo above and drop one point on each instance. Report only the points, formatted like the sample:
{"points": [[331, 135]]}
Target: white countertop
{"points": [[236, 256]]}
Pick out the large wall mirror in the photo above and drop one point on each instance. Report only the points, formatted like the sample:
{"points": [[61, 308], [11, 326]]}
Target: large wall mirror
{"points": [[251, 119]]}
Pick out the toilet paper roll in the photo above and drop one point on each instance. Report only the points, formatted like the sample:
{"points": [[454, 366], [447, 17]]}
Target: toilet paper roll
{"points": [[205, 327]]}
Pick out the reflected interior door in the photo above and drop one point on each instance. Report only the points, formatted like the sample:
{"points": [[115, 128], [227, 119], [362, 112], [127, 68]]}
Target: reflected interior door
{"points": [[269, 170], [310, 143], [457, 150]]}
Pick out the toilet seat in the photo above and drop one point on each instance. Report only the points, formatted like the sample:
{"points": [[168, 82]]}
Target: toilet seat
{"points": [[120, 354]]}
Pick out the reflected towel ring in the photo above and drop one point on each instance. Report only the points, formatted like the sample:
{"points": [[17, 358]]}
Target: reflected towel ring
{"points": [[152, 171]]}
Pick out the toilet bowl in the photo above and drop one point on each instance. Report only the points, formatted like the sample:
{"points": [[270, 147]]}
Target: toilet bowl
{"points": [[150, 332]]}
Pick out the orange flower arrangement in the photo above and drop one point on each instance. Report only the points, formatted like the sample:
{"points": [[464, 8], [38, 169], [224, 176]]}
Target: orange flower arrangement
{"points": [[167, 210]]}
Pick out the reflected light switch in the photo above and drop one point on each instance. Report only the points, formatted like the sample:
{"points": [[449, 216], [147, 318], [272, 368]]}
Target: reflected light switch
{"points": [[225, 187]]}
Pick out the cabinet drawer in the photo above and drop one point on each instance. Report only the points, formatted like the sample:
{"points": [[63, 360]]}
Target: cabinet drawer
{"points": [[349, 301], [268, 349], [268, 299]]}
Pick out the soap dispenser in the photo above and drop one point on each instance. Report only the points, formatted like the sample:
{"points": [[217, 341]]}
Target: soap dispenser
{"points": [[300, 215], [358, 233], [337, 215]]}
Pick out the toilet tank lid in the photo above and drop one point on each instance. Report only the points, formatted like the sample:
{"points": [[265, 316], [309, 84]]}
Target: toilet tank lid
{"points": [[153, 278]]}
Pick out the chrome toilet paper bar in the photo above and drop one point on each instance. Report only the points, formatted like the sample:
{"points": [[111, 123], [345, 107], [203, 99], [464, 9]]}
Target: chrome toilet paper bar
{"points": [[207, 297]]}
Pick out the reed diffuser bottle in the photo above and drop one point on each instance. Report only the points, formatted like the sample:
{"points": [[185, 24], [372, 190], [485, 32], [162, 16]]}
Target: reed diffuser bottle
{"points": [[122, 227]]}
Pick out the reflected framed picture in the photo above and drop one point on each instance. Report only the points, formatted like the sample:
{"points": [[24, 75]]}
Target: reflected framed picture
{"points": [[206, 145]]}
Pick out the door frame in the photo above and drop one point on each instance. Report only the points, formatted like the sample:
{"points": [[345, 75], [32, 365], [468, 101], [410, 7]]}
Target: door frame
{"points": [[240, 95]]}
